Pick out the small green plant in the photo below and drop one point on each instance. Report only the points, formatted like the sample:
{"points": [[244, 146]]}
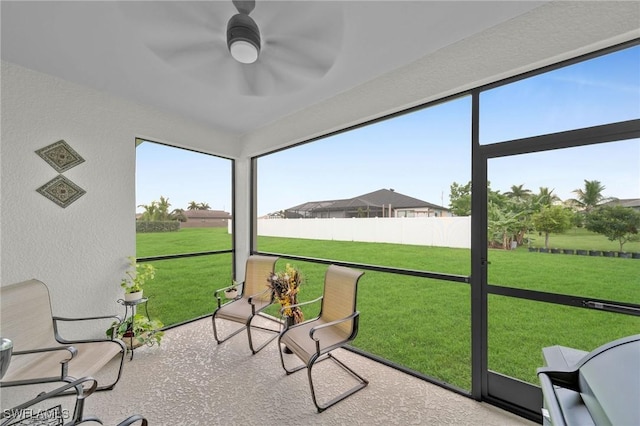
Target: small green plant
{"points": [[141, 328], [137, 275]]}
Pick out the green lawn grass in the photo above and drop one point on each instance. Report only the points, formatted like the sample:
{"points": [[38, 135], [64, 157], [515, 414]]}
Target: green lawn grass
{"points": [[424, 324], [186, 240], [582, 239]]}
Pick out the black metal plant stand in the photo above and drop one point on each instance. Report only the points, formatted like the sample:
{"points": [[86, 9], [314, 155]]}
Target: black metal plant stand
{"points": [[132, 305]]}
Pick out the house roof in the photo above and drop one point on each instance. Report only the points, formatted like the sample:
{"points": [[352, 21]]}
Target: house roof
{"points": [[395, 199], [627, 202], [380, 198]]}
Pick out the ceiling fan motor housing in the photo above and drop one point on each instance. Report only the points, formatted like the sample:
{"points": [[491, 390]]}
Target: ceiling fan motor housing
{"points": [[242, 28]]}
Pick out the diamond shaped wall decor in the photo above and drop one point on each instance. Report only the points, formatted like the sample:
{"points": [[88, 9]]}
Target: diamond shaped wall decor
{"points": [[61, 191], [60, 156]]}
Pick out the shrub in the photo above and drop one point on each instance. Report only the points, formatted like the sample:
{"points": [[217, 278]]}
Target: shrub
{"points": [[157, 226]]}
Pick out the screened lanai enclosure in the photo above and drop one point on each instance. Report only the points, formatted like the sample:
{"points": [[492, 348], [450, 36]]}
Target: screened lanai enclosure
{"points": [[474, 319], [457, 153]]}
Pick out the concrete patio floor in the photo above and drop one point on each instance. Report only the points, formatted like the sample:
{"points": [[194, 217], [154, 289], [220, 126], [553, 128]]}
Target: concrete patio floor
{"points": [[190, 380]]}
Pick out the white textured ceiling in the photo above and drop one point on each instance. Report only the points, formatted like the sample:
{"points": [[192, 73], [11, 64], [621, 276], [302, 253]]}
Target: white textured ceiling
{"points": [[172, 55]]}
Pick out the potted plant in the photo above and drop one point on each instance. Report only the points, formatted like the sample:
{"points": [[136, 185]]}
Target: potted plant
{"points": [[137, 331], [137, 275], [232, 291]]}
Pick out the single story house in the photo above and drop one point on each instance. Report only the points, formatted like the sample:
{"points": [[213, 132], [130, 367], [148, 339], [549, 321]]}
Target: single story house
{"points": [[380, 203], [205, 219], [634, 203]]}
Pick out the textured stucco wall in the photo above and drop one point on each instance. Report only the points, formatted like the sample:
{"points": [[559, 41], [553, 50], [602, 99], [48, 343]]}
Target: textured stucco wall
{"points": [[81, 251]]}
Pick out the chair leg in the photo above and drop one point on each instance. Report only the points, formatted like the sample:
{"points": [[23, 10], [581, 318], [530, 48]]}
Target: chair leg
{"points": [[112, 385], [284, 367], [249, 327], [362, 382], [215, 331]]}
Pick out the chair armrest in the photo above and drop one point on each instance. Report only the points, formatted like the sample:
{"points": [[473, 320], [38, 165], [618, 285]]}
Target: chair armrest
{"points": [[61, 339], [299, 304], [354, 316], [313, 330], [64, 368], [215, 293], [73, 351], [262, 293], [220, 290], [85, 318]]}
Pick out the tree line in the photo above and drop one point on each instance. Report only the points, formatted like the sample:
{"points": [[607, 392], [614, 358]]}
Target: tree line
{"points": [[519, 212], [158, 211]]}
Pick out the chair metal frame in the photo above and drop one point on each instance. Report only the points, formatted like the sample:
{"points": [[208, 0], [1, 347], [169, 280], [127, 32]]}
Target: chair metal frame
{"points": [[34, 290], [251, 301], [324, 353], [82, 388]]}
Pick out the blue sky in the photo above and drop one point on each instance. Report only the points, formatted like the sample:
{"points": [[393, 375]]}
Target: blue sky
{"points": [[422, 153]]}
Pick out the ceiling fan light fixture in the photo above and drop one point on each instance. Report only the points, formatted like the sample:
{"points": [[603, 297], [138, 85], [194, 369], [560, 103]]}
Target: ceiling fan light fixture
{"points": [[243, 38]]}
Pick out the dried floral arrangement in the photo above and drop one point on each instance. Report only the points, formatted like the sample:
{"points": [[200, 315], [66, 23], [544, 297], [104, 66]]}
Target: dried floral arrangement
{"points": [[285, 286]]}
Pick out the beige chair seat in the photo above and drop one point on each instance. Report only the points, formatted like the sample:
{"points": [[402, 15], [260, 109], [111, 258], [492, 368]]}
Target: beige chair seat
{"points": [[298, 341], [240, 312], [27, 320], [48, 364]]}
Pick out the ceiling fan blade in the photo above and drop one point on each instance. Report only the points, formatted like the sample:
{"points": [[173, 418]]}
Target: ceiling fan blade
{"points": [[320, 21], [170, 14], [199, 61], [310, 55], [170, 29], [176, 53], [302, 49], [217, 72]]}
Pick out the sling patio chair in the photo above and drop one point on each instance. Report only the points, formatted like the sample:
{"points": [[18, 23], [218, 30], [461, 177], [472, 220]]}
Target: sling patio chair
{"points": [[337, 325], [253, 299], [40, 354]]}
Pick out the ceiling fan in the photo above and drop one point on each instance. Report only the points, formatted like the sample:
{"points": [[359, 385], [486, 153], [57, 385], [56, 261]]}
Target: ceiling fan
{"points": [[243, 35], [282, 47]]}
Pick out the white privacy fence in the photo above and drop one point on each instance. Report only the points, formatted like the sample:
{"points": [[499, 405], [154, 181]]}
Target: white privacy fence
{"points": [[425, 231]]}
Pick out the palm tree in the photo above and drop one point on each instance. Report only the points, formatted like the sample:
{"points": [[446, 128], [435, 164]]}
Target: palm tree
{"points": [[518, 193], [163, 208], [545, 197], [193, 206], [591, 196], [178, 214], [501, 226], [204, 206], [157, 210], [150, 211]]}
